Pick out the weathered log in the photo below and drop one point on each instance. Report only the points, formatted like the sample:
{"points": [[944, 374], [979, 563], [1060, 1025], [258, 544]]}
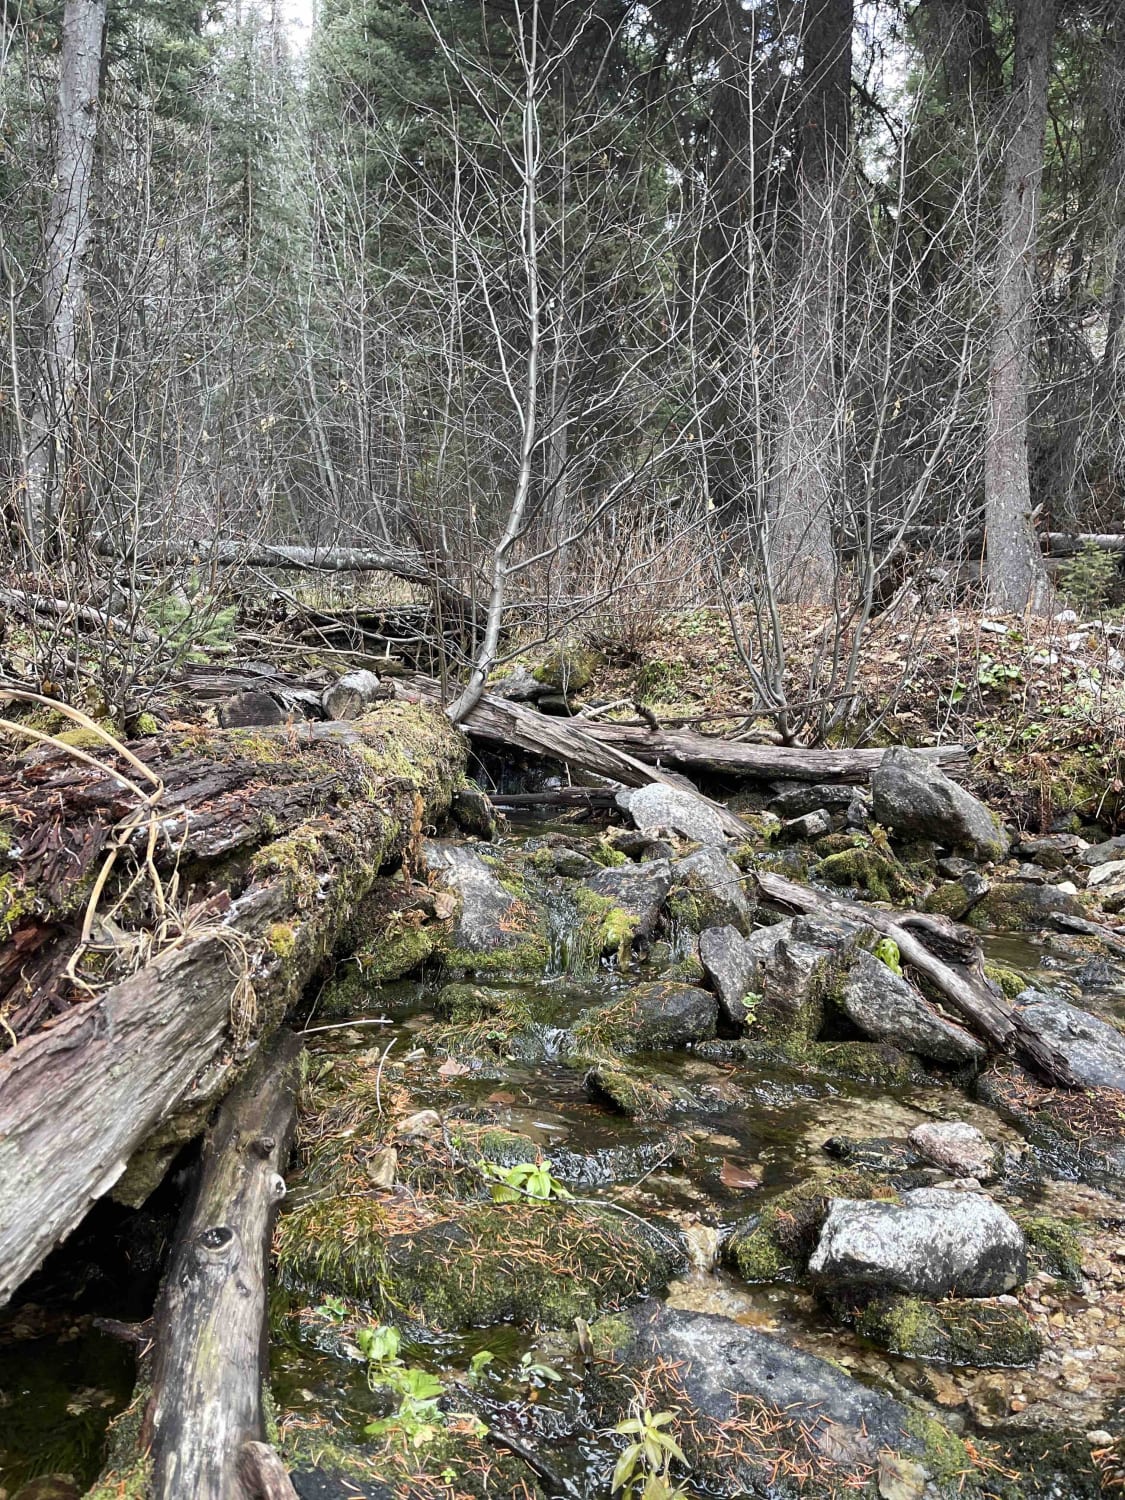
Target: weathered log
{"points": [[627, 752], [1065, 542], [225, 553], [289, 829], [569, 740], [964, 988], [27, 603], [352, 694], [204, 1425]]}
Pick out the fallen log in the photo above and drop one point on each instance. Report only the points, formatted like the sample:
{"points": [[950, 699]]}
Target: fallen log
{"points": [[978, 1003], [1063, 543], [628, 752], [284, 834], [204, 1426]]}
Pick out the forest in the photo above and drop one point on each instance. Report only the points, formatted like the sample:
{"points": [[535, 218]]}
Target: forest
{"points": [[562, 749]]}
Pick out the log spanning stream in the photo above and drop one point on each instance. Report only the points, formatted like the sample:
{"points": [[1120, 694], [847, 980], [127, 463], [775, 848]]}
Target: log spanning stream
{"points": [[545, 1177]]}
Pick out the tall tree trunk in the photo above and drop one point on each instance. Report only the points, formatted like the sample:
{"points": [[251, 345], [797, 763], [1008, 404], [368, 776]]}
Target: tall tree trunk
{"points": [[807, 477], [69, 219], [1016, 577]]}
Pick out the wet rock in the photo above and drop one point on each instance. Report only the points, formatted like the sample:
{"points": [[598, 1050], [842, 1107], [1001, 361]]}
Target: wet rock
{"points": [[795, 801], [1105, 852], [323, 1484], [1094, 1049], [887, 1008], [775, 1243], [473, 812], [805, 829], [638, 894], [49, 1487], [912, 796], [957, 1331], [650, 1018], [497, 930], [1108, 879], [641, 1094], [731, 963], [1075, 1135], [885, 1154], [958, 1147], [633, 843], [866, 869], [1016, 906], [1054, 851], [934, 1242], [721, 1364], [659, 807], [709, 890], [800, 962]]}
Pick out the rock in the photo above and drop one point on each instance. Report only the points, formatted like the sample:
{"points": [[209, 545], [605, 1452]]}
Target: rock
{"points": [[1094, 1049], [895, 1158], [49, 1487], [572, 864], [721, 1364], [887, 1008], [1108, 877], [798, 963], [865, 868], [641, 1094], [518, 686], [638, 894], [568, 669], [1015, 906], [731, 963], [1054, 851], [650, 1018], [935, 1242], [635, 844], [805, 829], [1103, 853], [473, 812], [246, 710], [709, 890], [794, 801], [497, 932], [912, 796], [957, 1331], [957, 1146], [656, 807]]}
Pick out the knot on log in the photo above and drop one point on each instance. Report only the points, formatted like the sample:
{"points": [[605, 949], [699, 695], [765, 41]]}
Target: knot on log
{"points": [[214, 1244], [263, 1146]]}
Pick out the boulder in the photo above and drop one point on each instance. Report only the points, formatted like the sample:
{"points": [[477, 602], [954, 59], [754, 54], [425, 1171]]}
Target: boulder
{"points": [[650, 1018], [887, 1008], [1053, 851], [935, 1242], [795, 801], [518, 686], [957, 1146], [1017, 906], [805, 829], [1105, 852], [1094, 1049], [731, 962], [497, 931], [638, 893], [709, 890], [797, 966], [915, 798], [957, 1331], [659, 806]]}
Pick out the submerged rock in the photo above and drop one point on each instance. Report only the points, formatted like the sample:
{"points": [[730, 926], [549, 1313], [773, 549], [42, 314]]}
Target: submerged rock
{"points": [[935, 1241], [915, 798], [650, 1018], [957, 1331], [958, 1147], [658, 807], [887, 1008], [1094, 1049]]}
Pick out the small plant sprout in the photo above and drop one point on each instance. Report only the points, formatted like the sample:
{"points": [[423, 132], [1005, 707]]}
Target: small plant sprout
{"points": [[537, 1374], [528, 1179], [335, 1309], [642, 1469], [886, 951]]}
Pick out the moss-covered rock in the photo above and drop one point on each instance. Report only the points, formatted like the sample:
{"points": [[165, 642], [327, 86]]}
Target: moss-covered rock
{"points": [[648, 1018], [1053, 1246], [868, 870], [568, 669], [1017, 906], [777, 1243], [638, 1093], [959, 1331]]}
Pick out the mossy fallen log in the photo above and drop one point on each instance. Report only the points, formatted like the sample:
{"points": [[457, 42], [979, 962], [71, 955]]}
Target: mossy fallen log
{"points": [[220, 903]]}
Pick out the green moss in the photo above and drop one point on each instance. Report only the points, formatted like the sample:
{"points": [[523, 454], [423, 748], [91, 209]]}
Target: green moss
{"points": [[568, 669], [281, 938], [965, 1331], [528, 956], [1010, 981], [603, 853], [943, 1453], [395, 954], [639, 1094], [127, 1473], [603, 928], [873, 1062], [610, 1335], [1054, 1247], [16, 902], [1013, 906], [950, 899], [866, 869]]}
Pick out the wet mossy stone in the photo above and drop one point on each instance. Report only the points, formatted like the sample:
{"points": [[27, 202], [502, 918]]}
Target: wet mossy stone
{"points": [[800, 963], [472, 811], [1036, 1463], [633, 898], [958, 1331], [775, 1244], [654, 1017], [867, 870], [641, 1094], [1075, 1135], [1017, 906], [1054, 1246], [451, 1265], [887, 1008], [886, 1155], [327, 1466], [709, 890], [502, 927]]}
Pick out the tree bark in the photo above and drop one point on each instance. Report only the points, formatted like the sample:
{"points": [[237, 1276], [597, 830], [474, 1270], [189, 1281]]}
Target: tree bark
{"points": [[808, 474], [286, 832], [69, 225], [204, 1423], [1017, 580]]}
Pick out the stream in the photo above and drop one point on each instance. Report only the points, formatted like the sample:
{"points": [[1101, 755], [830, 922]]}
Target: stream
{"points": [[755, 1130]]}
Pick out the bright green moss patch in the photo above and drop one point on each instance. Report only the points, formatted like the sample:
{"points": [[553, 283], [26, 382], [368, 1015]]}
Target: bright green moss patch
{"points": [[1054, 1247], [959, 1331], [943, 1453], [1010, 981], [868, 870]]}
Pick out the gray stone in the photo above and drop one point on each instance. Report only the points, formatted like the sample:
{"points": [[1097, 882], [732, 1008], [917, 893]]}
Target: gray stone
{"points": [[722, 1363], [1017, 905], [806, 828], [519, 686], [797, 962], [640, 890], [956, 1146], [709, 890], [794, 801], [914, 797], [888, 1008], [732, 962], [935, 1242], [485, 905], [651, 1017], [1101, 854], [1053, 851], [657, 807], [1094, 1049]]}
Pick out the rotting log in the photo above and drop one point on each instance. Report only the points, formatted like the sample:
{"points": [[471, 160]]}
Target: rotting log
{"points": [[204, 1428], [962, 986], [628, 752], [281, 835]]}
